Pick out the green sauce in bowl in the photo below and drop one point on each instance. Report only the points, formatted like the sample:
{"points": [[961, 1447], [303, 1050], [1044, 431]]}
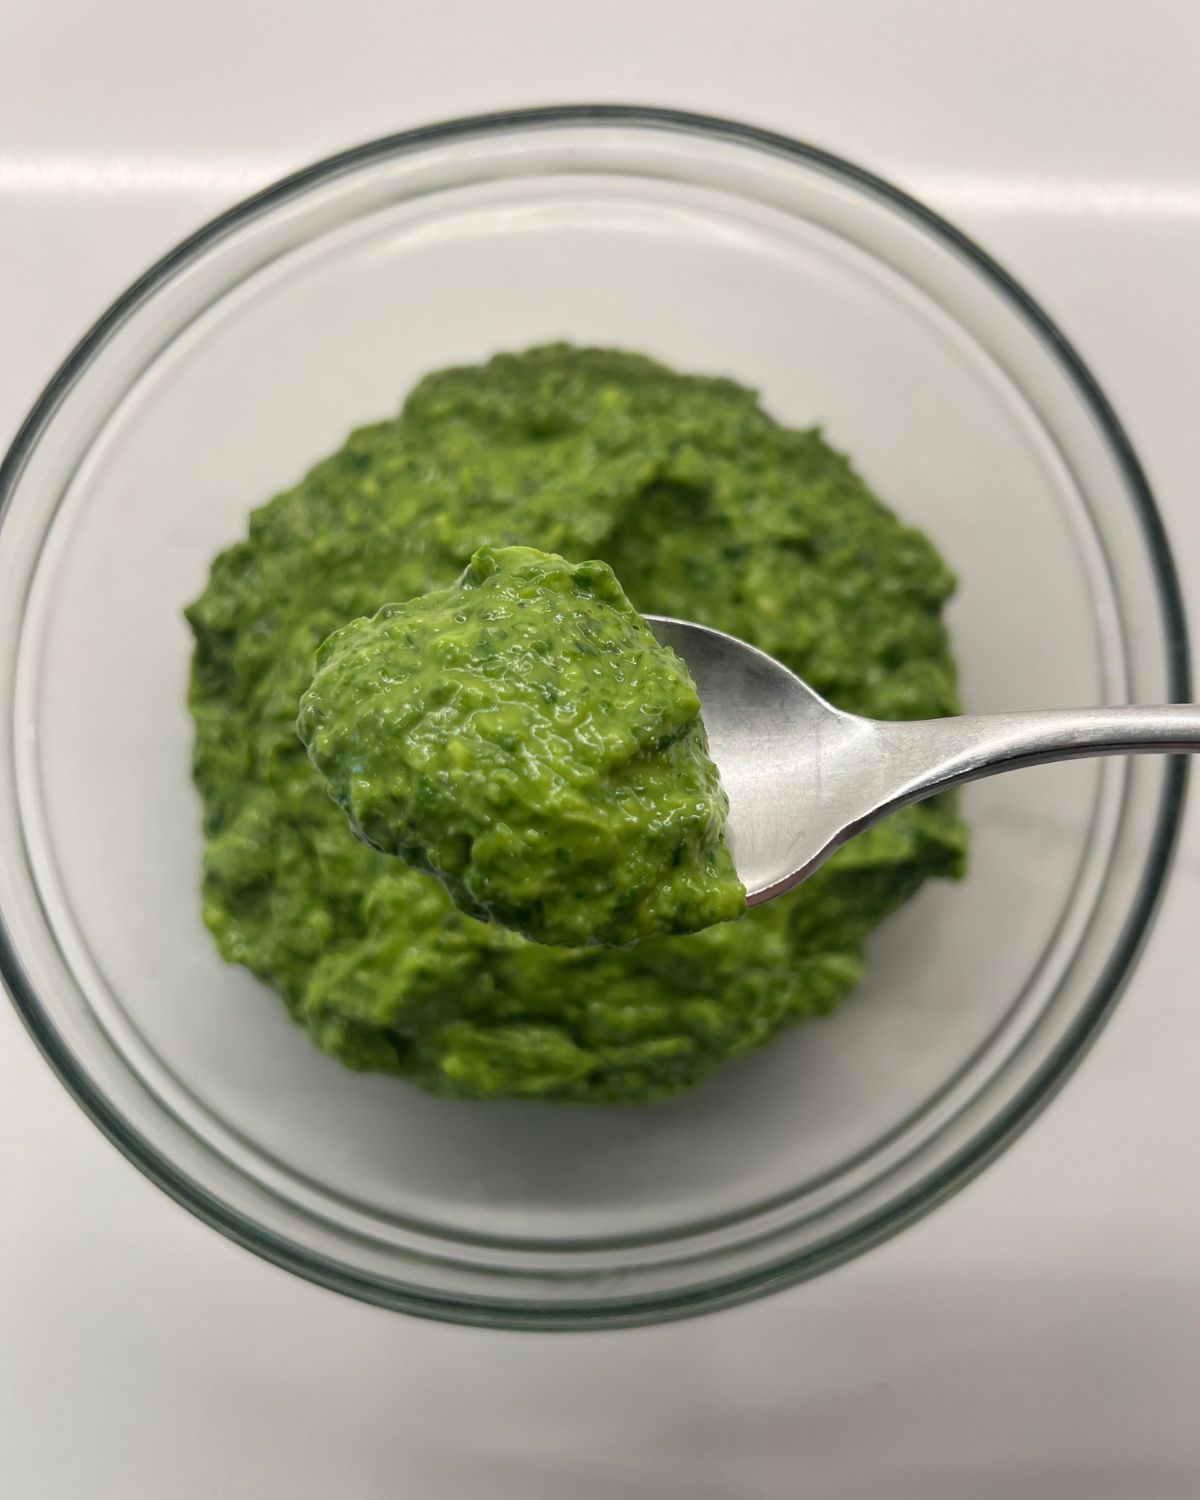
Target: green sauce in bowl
{"points": [[707, 509]]}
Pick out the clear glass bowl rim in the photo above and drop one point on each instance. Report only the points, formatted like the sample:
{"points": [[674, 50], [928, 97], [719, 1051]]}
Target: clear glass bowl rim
{"points": [[1020, 1112]]}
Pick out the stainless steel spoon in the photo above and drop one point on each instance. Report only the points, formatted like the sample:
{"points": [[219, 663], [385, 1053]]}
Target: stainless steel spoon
{"points": [[802, 777]]}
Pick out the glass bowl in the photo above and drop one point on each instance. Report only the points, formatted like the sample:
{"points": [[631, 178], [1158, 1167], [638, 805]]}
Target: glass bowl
{"points": [[246, 355]]}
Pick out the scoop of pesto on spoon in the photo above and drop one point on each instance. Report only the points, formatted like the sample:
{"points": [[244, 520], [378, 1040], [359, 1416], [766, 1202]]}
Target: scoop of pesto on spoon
{"points": [[524, 736]]}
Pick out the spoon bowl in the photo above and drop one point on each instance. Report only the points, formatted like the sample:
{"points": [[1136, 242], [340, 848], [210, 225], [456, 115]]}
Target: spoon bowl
{"points": [[802, 777], [777, 744]]}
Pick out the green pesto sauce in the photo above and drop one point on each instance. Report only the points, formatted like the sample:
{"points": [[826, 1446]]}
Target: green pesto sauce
{"points": [[524, 737], [706, 509]]}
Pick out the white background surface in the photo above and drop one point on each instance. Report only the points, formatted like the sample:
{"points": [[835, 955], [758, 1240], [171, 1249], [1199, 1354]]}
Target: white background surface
{"points": [[1039, 1336]]}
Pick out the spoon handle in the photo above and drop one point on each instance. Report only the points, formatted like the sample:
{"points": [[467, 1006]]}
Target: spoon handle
{"points": [[931, 754]]}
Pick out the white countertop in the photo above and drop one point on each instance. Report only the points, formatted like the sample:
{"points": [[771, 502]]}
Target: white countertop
{"points": [[1039, 1335]]}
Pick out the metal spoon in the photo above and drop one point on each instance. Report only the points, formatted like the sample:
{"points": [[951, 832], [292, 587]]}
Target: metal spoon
{"points": [[802, 777]]}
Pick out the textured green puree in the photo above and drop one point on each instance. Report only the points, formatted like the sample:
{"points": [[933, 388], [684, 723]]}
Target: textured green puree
{"points": [[522, 735], [706, 509]]}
